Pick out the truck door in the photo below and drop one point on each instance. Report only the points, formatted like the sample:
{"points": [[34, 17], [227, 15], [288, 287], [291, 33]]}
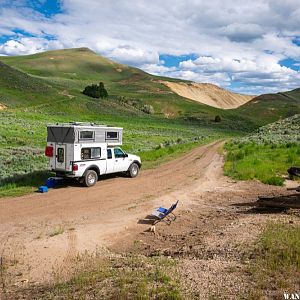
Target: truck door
{"points": [[110, 161], [60, 157], [120, 161]]}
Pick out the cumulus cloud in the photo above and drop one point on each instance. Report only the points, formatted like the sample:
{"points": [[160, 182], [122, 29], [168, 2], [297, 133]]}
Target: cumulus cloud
{"points": [[159, 69], [134, 56], [257, 74], [28, 46], [244, 41]]}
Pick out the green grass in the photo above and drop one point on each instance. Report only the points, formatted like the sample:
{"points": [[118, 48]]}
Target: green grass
{"points": [[276, 265], [265, 154], [266, 162], [18, 185]]}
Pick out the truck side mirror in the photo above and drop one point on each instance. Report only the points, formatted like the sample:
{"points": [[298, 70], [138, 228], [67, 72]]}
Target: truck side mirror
{"points": [[125, 155]]}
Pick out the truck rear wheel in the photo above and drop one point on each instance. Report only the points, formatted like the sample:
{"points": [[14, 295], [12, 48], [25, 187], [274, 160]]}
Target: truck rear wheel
{"points": [[133, 170], [90, 178]]}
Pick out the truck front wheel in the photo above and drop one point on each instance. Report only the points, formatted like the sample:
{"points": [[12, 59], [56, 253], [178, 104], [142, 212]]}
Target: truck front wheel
{"points": [[90, 178], [133, 170]]}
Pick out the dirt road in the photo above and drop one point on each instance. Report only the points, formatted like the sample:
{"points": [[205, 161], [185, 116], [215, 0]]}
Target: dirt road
{"points": [[39, 232]]}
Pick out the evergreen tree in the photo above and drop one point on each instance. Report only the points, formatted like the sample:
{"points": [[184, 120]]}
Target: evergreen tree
{"points": [[96, 91]]}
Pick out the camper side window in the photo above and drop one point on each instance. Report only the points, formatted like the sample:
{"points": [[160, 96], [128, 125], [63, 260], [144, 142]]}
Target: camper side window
{"points": [[90, 153], [86, 135], [112, 135]]}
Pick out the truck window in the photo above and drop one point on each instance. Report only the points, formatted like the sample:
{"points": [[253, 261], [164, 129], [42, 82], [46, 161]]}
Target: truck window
{"points": [[118, 153], [109, 154], [90, 153], [86, 135], [112, 135], [60, 155]]}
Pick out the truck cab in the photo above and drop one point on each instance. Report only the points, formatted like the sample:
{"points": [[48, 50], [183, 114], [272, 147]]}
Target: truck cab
{"points": [[87, 152]]}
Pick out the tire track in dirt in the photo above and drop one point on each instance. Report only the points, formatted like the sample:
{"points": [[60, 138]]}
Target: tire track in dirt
{"points": [[62, 268]]}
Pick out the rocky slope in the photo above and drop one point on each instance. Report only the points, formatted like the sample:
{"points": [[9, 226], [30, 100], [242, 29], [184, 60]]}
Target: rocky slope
{"points": [[208, 94]]}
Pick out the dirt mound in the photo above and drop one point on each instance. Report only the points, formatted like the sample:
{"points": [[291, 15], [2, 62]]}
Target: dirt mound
{"points": [[2, 106], [208, 94]]}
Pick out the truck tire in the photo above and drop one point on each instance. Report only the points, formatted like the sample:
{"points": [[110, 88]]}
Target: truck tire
{"points": [[133, 170], [90, 178]]}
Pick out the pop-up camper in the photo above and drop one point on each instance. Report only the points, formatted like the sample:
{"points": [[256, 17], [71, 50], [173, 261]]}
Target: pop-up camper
{"points": [[86, 151]]}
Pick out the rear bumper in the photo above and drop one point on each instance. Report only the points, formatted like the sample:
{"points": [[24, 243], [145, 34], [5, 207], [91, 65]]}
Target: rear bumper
{"points": [[60, 173]]}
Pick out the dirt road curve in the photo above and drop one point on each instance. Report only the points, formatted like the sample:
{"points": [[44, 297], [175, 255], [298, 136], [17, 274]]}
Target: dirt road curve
{"points": [[42, 231], [72, 203]]}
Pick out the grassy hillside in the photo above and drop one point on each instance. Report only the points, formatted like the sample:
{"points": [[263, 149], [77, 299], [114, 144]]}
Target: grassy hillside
{"points": [[269, 108], [75, 68], [70, 70], [21, 89], [266, 154]]}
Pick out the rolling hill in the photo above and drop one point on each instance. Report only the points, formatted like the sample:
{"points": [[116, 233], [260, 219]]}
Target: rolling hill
{"points": [[61, 74], [268, 108], [71, 70], [83, 65], [76, 64], [19, 88]]}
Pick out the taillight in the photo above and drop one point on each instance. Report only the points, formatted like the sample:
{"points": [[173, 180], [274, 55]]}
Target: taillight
{"points": [[49, 151], [75, 167]]}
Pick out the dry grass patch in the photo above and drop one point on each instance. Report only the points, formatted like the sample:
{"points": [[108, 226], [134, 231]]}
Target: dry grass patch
{"points": [[276, 265]]}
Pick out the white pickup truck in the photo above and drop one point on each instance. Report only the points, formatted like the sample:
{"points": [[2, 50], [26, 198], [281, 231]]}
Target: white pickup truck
{"points": [[86, 152]]}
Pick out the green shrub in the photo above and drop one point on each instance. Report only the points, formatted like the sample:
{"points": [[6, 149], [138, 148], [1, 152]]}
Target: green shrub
{"points": [[217, 119], [95, 91]]}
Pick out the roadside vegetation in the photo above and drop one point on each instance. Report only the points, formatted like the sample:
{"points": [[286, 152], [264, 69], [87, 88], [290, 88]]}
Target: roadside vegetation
{"points": [[266, 154], [98, 276], [275, 268]]}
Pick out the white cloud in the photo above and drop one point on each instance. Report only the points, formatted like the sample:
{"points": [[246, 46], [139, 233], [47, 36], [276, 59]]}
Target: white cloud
{"points": [[28, 46], [234, 41], [134, 56], [260, 74], [158, 69]]}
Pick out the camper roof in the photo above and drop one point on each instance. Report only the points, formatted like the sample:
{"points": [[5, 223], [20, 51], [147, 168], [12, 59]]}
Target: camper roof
{"points": [[82, 125]]}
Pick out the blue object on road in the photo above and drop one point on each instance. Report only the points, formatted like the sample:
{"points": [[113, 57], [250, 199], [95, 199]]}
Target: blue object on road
{"points": [[43, 189], [52, 182]]}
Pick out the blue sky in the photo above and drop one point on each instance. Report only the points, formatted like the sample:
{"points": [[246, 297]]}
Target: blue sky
{"points": [[248, 47]]}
